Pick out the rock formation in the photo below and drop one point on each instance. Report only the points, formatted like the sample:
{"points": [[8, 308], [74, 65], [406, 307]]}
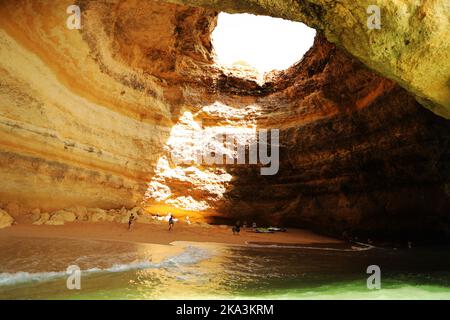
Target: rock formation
{"points": [[411, 46], [90, 119], [5, 219]]}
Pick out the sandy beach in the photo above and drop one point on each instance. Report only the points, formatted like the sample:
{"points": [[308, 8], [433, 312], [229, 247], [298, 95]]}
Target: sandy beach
{"points": [[159, 234]]}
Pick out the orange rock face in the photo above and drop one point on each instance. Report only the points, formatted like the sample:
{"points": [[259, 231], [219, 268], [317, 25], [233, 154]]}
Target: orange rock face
{"points": [[358, 154], [92, 118]]}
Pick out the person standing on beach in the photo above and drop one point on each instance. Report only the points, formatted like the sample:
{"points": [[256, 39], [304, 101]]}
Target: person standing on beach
{"points": [[237, 228], [131, 222], [171, 223]]}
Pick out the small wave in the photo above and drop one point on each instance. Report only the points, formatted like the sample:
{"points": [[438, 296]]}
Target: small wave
{"points": [[21, 277], [191, 255], [362, 247]]}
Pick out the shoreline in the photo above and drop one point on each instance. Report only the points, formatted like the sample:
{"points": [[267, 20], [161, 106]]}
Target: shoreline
{"points": [[159, 234]]}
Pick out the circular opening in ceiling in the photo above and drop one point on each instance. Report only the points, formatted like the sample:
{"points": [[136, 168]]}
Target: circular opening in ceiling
{"points": [[259, 42]]}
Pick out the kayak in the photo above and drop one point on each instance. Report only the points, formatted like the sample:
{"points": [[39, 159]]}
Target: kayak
{"points": [[263, 230], [277, 229]]}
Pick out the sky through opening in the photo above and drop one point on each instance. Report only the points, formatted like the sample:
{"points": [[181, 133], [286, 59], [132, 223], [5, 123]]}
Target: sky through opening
{"points": [[262, 42]]}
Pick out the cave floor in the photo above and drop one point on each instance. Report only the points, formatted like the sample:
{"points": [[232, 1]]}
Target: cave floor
{"points": [[159, 234]]}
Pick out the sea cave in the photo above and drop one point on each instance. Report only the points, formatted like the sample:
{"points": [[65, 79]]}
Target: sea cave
{"points": [[150, 109]]}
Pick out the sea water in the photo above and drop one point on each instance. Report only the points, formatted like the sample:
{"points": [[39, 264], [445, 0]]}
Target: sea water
{"points": [[35, 268]]}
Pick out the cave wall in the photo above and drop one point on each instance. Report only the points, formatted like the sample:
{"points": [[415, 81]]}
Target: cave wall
{"points": [[88, 118], [411, 46], [358, 155], [85, 113], [77, 127]]}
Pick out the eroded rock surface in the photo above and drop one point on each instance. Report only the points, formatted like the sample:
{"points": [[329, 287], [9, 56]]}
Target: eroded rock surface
{"points": [[5, 219], [89, 117], [411, 47]]}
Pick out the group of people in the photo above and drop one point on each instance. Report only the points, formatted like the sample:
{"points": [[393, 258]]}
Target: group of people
{"points": [[171, 221], [237, 227]]}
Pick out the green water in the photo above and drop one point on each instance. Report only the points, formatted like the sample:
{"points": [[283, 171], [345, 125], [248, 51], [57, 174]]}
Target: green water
{"points": [[35, 269]]}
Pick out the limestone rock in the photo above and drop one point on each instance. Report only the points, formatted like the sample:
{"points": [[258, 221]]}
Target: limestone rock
{"points": [[13, 209], [81, 213], [35, 215], [76, 140], [411, 46], [43, 219], [123, 218], [146, 218], [89, 117], [60, 217], [99, 215], [5, 219], [137, 211]]}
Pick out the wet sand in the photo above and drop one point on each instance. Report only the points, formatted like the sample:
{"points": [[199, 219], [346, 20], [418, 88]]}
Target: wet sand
{"points": [[159, 234]]}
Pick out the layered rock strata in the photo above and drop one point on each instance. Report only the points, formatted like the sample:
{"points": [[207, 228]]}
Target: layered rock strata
{"points": [[91, 118], [406, 41]]}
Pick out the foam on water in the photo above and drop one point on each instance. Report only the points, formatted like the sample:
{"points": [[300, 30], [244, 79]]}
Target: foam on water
{"points": [[360, 247], [36, 269], [7, 278], [190, 255]]}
